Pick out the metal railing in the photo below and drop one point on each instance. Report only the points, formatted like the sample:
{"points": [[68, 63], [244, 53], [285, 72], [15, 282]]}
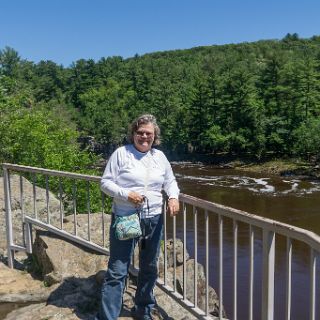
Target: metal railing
{"points": [[219, 226]]}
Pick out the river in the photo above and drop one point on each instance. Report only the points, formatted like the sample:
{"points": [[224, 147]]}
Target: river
{"points": [[288, 199]]}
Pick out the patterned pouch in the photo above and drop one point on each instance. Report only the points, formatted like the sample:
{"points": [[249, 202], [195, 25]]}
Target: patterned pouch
{"points": [[127, 227]]}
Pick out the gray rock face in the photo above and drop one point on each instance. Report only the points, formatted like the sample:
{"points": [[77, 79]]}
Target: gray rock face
{"points": [[28, 200], [60, 259], [170, 254], [27, 204], [20, 286], [201, 287]]}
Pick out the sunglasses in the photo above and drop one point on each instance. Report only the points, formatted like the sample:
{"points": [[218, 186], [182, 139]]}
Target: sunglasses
{"points": [[144, 133]]}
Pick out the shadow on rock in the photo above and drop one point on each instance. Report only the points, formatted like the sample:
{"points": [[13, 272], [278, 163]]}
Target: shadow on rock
{"points": [[81, 295]]}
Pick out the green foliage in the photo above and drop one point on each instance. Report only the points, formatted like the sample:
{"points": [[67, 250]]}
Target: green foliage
{"points": [[214, 139], [307, 138], [103, 113], [41, 138], [248, 98], [38, 138]]}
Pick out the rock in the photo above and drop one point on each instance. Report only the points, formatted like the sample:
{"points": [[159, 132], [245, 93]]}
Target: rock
{"points": [[41, 199], [100, 275], [61, 309], [201, 287], [60, 259], [41, 204], [170, 255], [52, 278], [170, 251], [95, 227], [42, 311], [20, 286], [213, 297]]}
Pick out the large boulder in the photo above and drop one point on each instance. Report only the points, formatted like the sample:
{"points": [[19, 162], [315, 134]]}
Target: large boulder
{"points": [[60, 259], [201, 287], [170, 254]]}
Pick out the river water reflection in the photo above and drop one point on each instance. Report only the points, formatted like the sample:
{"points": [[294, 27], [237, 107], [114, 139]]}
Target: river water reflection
{"points": [[287, 199]]}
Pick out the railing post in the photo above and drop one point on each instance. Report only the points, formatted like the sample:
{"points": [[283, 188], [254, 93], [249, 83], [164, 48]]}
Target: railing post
{"points": [[235, 269], [184, 252], [165, 254], [7, 203], [220, 221], [195, 274], [28, 237], [288, 278], [313, 260], [174, 225], [251, 271], [268, 275]]}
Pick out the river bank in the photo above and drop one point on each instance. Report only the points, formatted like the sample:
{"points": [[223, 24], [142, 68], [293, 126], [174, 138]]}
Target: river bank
{"points": [[283, 167], [268, 165]]}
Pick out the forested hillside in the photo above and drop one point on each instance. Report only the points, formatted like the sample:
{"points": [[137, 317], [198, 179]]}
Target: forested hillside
{"points": [[256, 98]]}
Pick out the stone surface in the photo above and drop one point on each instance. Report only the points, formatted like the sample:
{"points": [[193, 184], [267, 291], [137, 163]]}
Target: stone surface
{"points": [[28, 206], [201, 287], [80, 306], [20, 286], [60, 259]]}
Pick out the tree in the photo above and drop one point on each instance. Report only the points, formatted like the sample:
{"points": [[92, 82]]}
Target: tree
{"points": [[104, 115], [307, 138], [9, 61]]}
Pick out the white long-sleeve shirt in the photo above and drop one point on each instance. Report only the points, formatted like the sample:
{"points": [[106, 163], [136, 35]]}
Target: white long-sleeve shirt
{"points": [[146, 173]]}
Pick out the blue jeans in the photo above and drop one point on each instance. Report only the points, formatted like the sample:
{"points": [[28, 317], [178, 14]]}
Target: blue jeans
{"points": [[120, 257]]}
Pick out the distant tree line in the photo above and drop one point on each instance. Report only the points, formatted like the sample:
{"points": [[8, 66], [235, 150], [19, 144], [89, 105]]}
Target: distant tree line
{"points": [[255, 98]]}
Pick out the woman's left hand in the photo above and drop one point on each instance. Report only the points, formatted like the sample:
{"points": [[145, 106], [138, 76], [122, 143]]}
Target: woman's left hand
{"points": [[173, 206]]}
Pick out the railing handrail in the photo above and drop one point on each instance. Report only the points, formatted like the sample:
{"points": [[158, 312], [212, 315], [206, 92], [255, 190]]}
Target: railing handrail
{"points": [[298, 233], [56, 173]]}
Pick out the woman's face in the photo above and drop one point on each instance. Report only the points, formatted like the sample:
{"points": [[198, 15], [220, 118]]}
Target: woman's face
{"points": [[143, 137]]}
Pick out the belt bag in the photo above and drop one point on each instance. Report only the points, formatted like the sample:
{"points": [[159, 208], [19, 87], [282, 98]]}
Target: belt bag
{"points": [[127, 227]]}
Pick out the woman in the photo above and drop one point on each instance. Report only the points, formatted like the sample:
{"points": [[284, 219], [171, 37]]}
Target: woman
{"points": [[134, 176]]}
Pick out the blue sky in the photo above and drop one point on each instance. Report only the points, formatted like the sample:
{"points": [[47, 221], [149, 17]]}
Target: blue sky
{"points": [[65, 31]]}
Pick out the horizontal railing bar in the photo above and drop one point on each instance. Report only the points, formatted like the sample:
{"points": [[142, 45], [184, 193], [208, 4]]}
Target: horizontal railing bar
{"points": [[297, 233], [16, 247], [66, 235], [51, 172]]}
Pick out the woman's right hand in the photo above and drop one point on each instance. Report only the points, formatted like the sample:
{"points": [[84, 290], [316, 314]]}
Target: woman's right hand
{"points": [[135, 198]]}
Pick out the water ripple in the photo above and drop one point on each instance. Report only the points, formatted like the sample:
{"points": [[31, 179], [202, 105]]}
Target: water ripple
{"points": [[273, 186]]}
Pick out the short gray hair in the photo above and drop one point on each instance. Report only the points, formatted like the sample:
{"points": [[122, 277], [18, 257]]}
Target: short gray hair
{"points": [[144, 119]]}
